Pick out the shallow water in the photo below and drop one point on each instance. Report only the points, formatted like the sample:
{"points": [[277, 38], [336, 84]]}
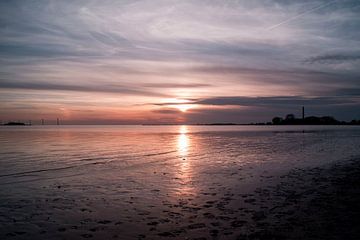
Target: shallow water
{"points": [[66, 181]]}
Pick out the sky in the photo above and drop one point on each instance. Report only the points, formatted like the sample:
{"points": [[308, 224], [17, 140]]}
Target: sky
{"points": [[171, 61]]}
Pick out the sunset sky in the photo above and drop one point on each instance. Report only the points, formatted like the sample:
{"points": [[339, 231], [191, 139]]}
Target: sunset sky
{"points": [[124, 62]]}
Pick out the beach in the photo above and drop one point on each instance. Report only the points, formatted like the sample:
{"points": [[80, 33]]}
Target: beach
{"points": [[205, 184]]}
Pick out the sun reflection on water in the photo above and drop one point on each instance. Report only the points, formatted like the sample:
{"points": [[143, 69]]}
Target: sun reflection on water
{"points": [[185, 170], [183, 142]]}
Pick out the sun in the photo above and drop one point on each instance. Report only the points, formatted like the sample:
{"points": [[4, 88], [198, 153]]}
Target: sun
{"points": [[183, 107]]}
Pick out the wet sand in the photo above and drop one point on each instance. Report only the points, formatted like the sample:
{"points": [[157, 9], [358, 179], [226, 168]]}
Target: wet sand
{"points": [[305, 203]]}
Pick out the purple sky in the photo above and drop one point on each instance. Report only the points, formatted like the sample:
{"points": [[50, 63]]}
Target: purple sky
{"points": [[106, 62]]}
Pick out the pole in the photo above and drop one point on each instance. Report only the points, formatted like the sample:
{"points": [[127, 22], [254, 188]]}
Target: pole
{"points": [[303, 112]]}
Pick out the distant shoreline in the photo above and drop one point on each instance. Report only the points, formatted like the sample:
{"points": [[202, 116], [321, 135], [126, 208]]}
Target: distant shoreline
{"points": [[185, 124], [289, 120], [247, 124]]}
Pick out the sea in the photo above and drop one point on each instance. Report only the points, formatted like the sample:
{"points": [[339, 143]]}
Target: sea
{"points": [[115, 181]]}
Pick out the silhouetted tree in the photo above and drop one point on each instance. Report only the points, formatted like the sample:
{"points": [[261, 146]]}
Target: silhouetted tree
{"points": [[290, 117], [311, 120], [277, 120]]}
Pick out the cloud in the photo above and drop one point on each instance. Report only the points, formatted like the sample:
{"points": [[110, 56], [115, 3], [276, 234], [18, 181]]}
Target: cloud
{"points": [[116, 89], [355, 91], [266, 113], [176, 85], [167, 111], [279, 72], [195, 50], [277, 101], [40, 50], [333, 58], [300, 15]]}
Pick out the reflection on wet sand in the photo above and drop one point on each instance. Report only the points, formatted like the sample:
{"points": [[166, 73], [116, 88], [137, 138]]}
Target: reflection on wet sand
{"points": [[185, 171]]}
